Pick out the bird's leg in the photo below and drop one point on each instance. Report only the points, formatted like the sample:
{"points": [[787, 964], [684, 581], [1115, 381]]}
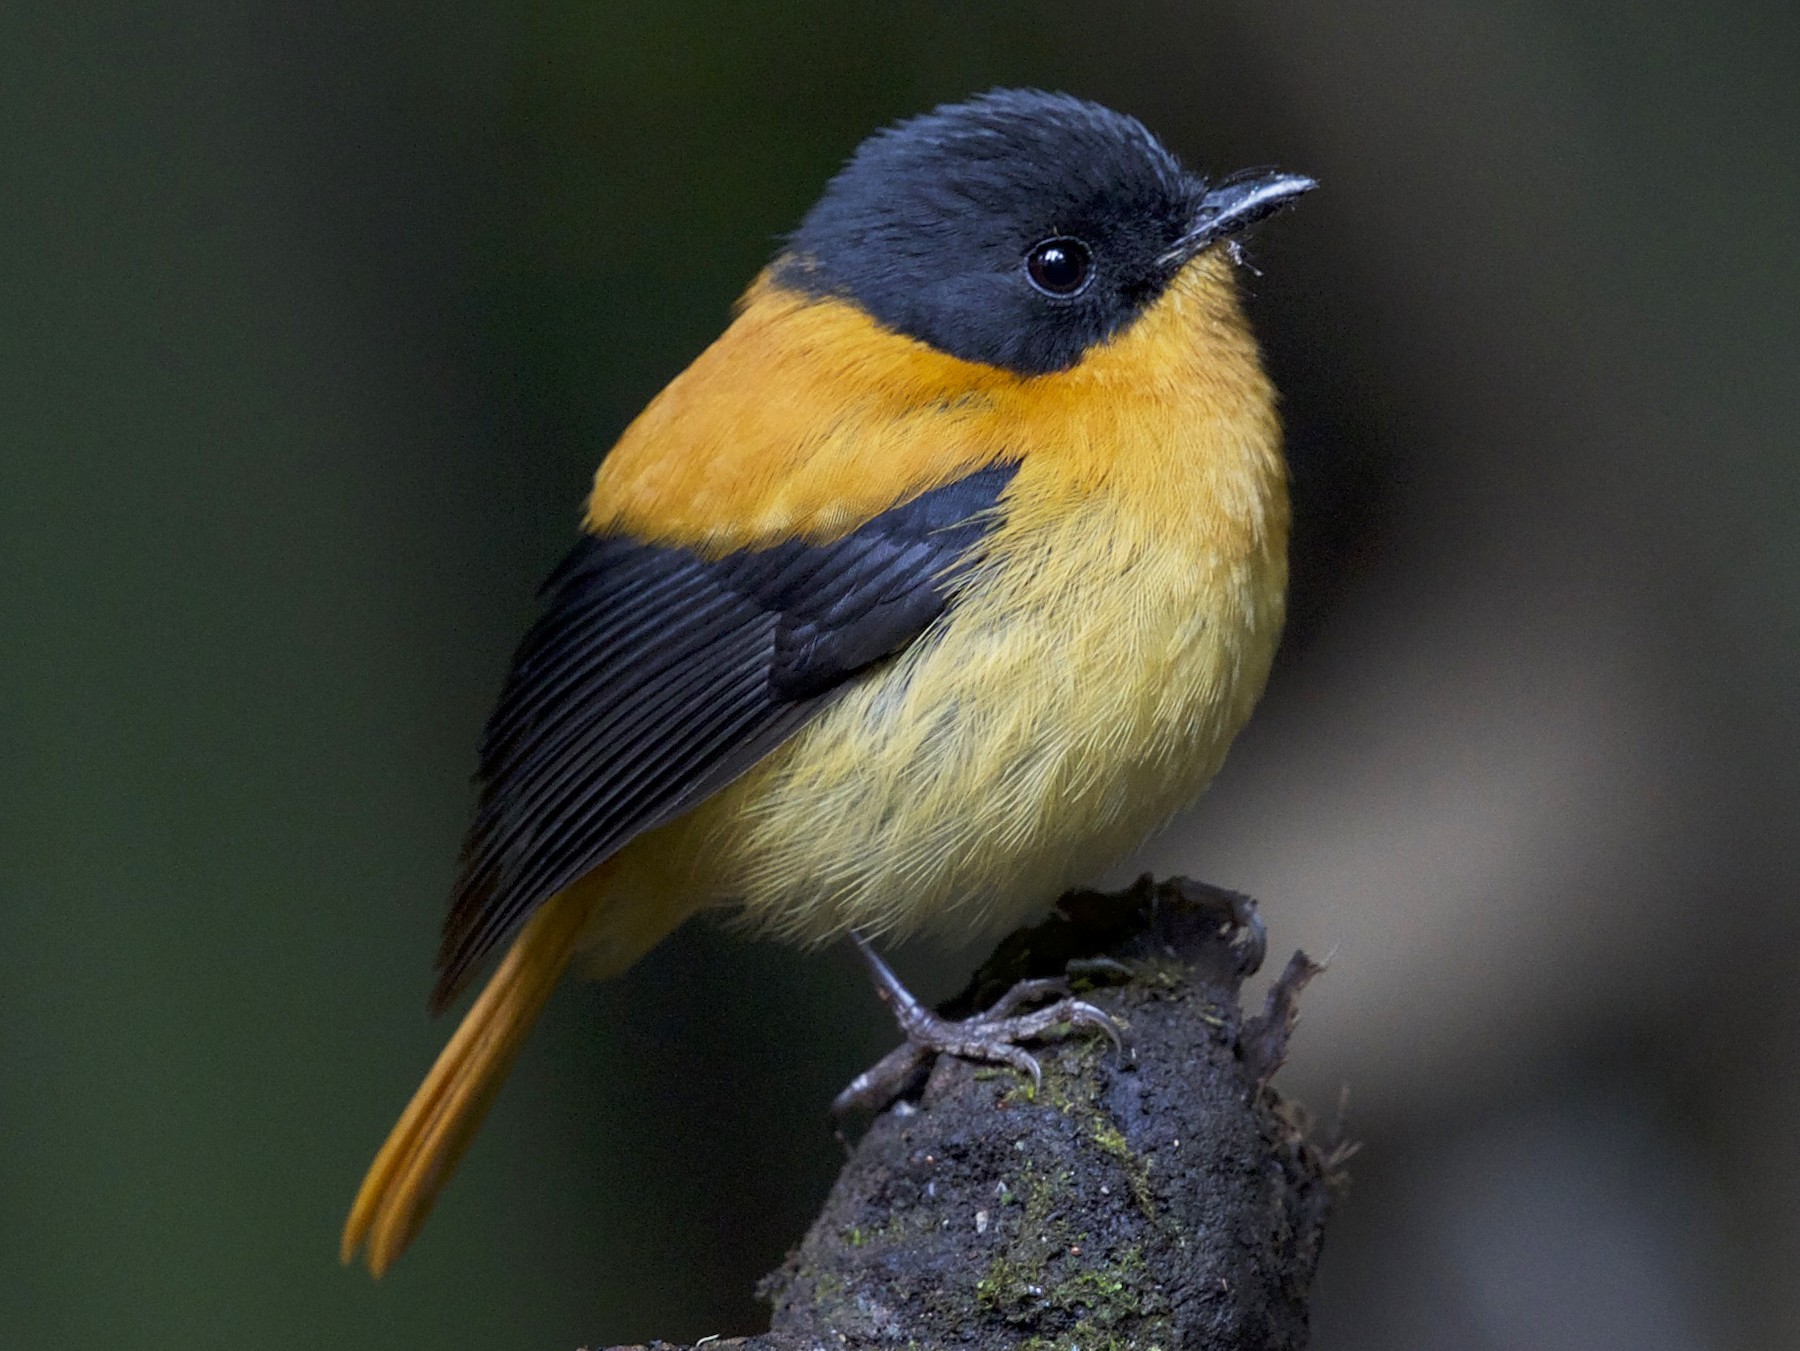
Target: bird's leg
{"points": [[991, 1035]]}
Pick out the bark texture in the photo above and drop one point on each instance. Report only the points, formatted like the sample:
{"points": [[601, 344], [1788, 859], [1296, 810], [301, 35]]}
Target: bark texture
{"points": [[1165, 1197]]}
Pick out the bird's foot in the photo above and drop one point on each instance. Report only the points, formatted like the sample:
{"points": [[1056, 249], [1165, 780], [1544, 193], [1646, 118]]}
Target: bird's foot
{"points": [[993, 1035]]}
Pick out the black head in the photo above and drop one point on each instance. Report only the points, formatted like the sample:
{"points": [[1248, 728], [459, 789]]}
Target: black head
{"points": [[1017, 229]]}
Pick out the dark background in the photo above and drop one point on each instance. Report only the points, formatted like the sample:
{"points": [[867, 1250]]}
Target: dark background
{"points": [[314, 320]]}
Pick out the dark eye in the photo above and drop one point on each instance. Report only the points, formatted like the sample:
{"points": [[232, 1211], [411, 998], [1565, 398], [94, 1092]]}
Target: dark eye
{"points": [[1059, 267]]}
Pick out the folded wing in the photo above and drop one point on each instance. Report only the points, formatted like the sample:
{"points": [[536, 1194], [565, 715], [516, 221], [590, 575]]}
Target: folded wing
{"points": [[657, 675]]}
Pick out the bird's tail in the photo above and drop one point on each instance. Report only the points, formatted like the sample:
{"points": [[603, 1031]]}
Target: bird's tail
{"points": [[425, 1145]]}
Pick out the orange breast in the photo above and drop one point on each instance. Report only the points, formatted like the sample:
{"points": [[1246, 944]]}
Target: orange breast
{"points": [[806, 418]]}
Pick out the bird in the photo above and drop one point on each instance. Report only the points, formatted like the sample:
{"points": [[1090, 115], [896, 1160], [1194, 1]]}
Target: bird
{"points": [[941, 579]]}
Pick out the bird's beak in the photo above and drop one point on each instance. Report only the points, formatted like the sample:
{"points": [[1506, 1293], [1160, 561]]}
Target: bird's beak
{"points": [[1235, 204]]}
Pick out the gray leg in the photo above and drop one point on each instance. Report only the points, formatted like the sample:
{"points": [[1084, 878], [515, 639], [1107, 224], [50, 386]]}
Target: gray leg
{"points": [[992, 1035]]}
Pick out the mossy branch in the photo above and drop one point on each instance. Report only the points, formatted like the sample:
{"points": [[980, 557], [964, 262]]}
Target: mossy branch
{"points": [[1162, 1198]]}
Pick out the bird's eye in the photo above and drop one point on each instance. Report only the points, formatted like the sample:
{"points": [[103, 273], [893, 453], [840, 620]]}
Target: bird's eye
{"points": [[1059, 267]]}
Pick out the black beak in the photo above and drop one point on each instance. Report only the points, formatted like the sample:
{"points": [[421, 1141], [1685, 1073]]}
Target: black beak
{"points": [[1234, 205]]}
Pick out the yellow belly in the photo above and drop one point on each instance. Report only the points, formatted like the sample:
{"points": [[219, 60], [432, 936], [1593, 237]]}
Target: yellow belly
{"points": [[1085, 686]]}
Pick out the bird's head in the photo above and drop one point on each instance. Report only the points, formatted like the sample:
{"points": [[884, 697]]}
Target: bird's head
{"points": [[1018, 229]]}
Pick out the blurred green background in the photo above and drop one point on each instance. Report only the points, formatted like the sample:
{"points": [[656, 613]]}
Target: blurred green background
{"points": [[314, 321]]}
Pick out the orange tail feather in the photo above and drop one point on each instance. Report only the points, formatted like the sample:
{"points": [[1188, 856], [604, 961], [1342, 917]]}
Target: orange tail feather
{"points": [[429, 1139]]}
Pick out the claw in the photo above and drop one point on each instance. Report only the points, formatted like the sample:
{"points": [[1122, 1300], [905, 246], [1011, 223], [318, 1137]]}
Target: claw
{"points": [[1025, 1063], [992, 1035], [1087, 1015]]}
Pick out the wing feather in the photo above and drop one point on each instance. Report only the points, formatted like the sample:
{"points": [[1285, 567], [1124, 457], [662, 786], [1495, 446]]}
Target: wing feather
{"points": [[657, 675]]}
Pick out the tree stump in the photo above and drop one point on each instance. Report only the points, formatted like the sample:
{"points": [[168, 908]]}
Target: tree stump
{"points": [[1163, 1197]]}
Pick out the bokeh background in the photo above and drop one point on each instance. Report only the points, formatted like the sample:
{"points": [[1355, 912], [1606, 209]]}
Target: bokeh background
{"points": [[314, 320]]}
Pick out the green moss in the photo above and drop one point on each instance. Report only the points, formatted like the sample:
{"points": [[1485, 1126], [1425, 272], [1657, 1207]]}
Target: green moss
{"points": [[1137, 1168], [1057, 1287], [1082, 1337], [900, 1226], [1103, 1288], [1014, 1281], [827, 1290], [1071, 1079], [1106, 1301], [1111, 1139], [1051, 1273], [1050, 1280]]}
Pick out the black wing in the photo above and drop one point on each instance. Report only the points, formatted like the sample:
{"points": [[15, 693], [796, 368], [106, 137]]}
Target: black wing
{"points": [[655, 677]]}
